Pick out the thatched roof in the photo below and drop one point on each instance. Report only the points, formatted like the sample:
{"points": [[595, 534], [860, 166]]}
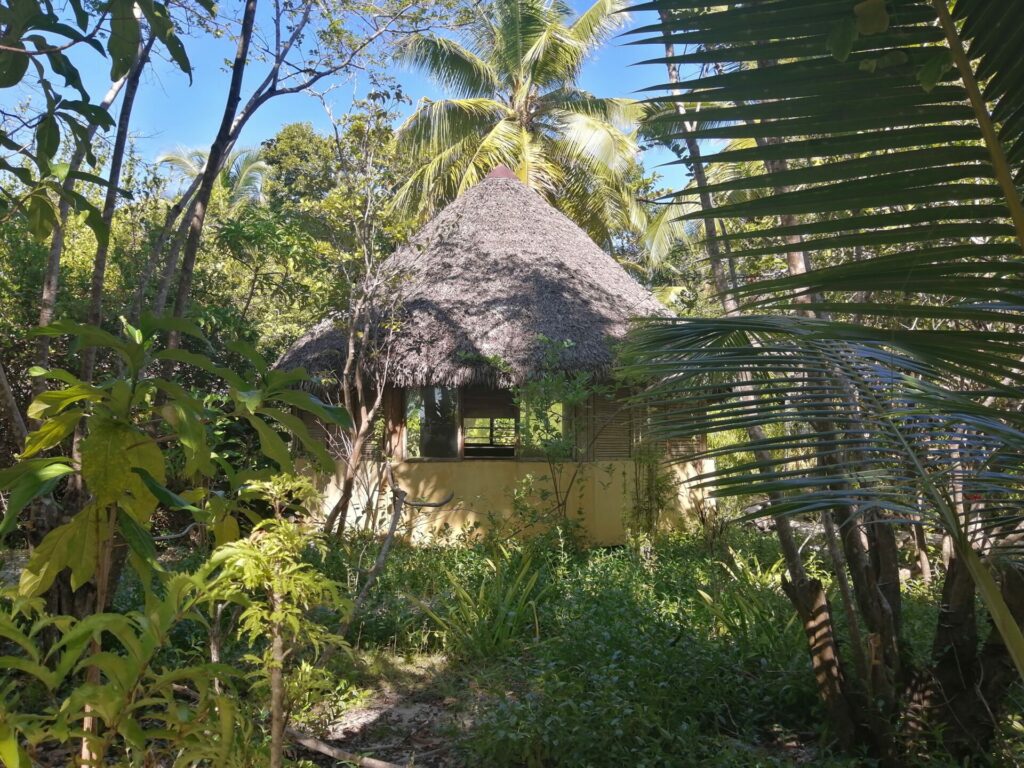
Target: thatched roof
{"points": [[488, 279]]}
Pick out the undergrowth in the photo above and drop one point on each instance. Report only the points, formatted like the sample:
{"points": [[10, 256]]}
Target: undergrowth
{"points": [[683, 655]]}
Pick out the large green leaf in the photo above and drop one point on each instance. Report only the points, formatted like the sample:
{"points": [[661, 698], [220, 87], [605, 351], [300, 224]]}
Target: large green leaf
{"points": [[51, 432], [38, 479], [73, 545], [110, 453]]}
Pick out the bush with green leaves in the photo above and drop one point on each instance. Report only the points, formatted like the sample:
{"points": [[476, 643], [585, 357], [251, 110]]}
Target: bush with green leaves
{"points": [[486, 619], [630, 670], [91, 510], [269, 574], [130, 698]]}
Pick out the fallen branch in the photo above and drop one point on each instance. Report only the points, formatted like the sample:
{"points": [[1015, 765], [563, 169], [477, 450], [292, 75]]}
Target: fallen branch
{"points": [[338, 754]]}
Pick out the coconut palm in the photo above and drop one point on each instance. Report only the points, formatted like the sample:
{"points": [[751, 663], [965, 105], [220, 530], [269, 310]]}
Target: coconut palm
{"points": [[240, 182], [888, 138], [516, 103]]}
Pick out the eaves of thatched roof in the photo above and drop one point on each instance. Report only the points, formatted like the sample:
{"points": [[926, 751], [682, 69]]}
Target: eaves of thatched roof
{"points": [[488, 287]]}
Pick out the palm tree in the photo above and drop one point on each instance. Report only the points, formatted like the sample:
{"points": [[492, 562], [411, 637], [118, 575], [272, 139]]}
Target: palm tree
{"points": [[517, 104], [888, 140], [240, 182]]}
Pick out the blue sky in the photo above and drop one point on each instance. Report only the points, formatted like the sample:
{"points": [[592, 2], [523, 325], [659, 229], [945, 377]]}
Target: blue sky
{"points": [[170, 113]]}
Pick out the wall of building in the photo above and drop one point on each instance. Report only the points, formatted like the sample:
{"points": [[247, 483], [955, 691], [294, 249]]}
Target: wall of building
{"points": [[599, 498]]}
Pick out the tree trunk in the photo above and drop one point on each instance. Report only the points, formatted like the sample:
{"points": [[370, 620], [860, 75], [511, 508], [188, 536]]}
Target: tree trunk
{"points": [[171, 264], [51, 280], [11, 409], [99, 268], [277, 703], [218, 151], [139, 297]]}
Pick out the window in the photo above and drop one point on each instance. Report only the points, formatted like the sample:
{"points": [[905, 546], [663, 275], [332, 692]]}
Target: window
{"points": [[432, 423], [490, 423]]}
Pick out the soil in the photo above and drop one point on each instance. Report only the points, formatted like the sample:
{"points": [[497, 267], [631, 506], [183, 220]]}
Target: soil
{"points": [[413, 717]]}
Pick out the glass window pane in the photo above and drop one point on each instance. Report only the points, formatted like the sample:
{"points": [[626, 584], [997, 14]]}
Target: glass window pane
{"points": [[489, 423], [432, 423]]}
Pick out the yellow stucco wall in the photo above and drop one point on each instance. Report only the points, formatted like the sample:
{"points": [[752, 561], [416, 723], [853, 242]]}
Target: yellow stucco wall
{"points": [[600, 497]]}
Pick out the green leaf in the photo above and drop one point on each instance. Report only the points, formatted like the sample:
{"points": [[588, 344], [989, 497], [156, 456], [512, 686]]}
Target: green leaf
{"points": [[11, 753], [55, 374], [297, 427], [11, 475], [48, 137], [331, 414], [248, 351], [164, 495], [60, 170], [51, 432], [52, 402], [842, 37], [13, 65], [204, 363], [191, 436], [872, 17], [226, 530], [150, 324], [110, 452], [138, 538], [72, 544], [87, 335], [42, 217], [271, 444], [932, 71], [247, 401], [125, 36], [38, 480]]}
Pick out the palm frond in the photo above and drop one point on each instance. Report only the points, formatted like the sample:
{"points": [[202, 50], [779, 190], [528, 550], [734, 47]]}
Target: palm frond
{"points": [[871, 130], [624, 114], [555, 57], [243, 176], [518, 24], [886, 137], [586, 136], [500, 146], [665, 233], [882, 412], [434, 183], [188, 162], [598, 23], [437, 125], [452, 65]]}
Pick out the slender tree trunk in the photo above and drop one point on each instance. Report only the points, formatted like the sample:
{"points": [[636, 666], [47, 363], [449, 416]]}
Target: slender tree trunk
{"points": [[251, 293], [277, 703], [11, 409], [51, 280], [157, 250], [99, 269], [218, 151], [397, 507], [874, 568], [921, 543], [92, 754], [171, 264]]}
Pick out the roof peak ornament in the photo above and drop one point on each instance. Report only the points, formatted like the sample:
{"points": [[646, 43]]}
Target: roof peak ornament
{"points": [[501, 172]]}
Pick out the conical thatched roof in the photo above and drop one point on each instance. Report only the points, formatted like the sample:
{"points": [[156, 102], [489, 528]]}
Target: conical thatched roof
{"points": [[493, 275]]}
